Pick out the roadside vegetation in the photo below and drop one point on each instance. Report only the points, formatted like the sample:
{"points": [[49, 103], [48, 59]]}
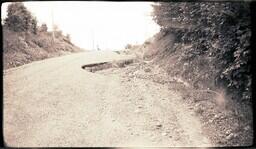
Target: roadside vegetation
{"points": [[207, 45], [25, 41]]}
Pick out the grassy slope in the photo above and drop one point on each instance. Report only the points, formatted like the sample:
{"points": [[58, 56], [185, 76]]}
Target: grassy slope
{"points": [[20, 48]]}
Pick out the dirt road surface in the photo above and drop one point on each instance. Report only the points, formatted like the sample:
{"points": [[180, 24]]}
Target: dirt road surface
{"points": [[56, 103]]}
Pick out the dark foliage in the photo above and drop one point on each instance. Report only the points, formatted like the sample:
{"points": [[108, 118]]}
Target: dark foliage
{"points": [[20, 19], [218, 31], [43, 28]]}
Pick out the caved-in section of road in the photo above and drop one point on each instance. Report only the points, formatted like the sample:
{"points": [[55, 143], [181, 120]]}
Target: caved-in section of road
{"points": [[106, 65]]}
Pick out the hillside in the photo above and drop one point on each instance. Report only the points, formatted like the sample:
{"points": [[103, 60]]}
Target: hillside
{"points": [[206, 46], [21, 48], [25, 41]]}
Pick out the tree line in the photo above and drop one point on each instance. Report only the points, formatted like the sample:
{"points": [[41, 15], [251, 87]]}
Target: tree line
{"points": [[20, 19]]}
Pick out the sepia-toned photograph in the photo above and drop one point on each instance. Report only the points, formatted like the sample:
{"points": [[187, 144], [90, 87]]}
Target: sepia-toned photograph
{"points": [[127, 74]]}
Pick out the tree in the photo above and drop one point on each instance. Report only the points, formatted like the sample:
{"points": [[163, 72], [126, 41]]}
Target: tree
{"points": [[20, 19], [43, 28], [34, 25]]}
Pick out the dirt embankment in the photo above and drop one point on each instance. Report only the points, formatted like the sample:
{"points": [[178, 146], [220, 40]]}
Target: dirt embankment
{"points": [[227, 122], [20, 48], [212, 59], [223, 121]]}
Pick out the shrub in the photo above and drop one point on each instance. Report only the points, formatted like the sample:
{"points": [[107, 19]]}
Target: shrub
{"points": [[43, 28], [218, 31], [20, 19]]}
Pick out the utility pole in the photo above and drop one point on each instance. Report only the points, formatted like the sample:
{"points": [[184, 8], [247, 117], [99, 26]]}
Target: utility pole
{"points": [[92, 39], [53, 36]]}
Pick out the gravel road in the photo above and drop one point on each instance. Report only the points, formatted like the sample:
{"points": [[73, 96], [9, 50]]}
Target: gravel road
{"points": [[56, 103]]}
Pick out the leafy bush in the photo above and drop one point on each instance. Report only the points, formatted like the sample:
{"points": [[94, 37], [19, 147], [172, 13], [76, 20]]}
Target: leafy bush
{"points": [[220, 32], [20, 19], [43, 28]]}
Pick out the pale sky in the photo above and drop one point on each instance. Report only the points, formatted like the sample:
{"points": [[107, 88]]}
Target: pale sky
{"points": [[112, 25]]}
